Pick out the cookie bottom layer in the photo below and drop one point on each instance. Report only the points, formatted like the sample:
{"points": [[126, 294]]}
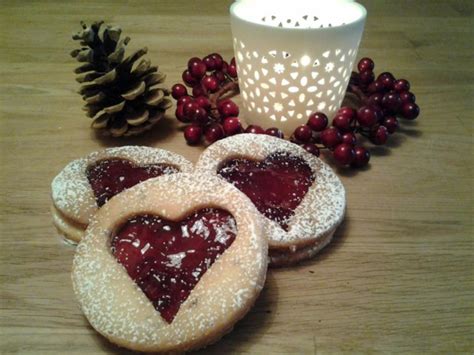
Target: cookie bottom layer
{"points": [[287, 257], [70, 230]]}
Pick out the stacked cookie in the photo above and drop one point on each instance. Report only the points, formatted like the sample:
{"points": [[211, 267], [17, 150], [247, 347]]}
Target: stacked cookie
{"points": [[170, 256]]}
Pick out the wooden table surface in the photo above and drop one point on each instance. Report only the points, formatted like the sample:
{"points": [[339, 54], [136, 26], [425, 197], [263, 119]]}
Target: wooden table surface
{"points": [[398, 276]]}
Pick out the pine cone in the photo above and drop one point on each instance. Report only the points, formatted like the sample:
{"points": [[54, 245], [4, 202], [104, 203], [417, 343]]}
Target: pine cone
{"points": [[123, 99]]}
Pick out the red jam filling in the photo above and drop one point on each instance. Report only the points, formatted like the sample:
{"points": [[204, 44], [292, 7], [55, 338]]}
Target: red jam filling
{"points": [[276, 185], [108, 177], [166, 259]]}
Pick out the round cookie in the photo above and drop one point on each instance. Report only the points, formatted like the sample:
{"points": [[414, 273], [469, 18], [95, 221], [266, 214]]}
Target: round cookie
{"points": [[117, 307], [317, 201], [73, 197]]}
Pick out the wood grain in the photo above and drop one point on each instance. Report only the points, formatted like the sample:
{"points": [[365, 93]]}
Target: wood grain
{"points": [[399, 275]]}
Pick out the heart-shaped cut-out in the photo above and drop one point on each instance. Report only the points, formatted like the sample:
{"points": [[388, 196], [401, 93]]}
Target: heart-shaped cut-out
{"points": [[276, 185], [108, 177], [166, 259]]}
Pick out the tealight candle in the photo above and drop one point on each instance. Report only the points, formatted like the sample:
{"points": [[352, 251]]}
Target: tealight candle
{"points": [[294, 57]]}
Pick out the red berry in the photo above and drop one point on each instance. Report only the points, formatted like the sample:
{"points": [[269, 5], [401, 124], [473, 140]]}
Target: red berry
{"points": [[366, 77], [218, 61], [192, 134], [375, 99], [228, 108], [311, 148], [365, 64], [196, 67], [317, 121], [219, 75], [331, 137], [401, 85], [254, 129], [184, 100], [342, 122], [376, 86], [367, 116], [407, 96], [275, 132], [232, 61], [410, 110], [391, 101], [344, 154], [214, 132], [189, 108], [209, 62], [203, 101], [180, 114], [387, 80], [225, 66], [210, 83], [232, 126], [232, 70], [349, 138], [347, 111], [198, 90], [189, 79], [199, 116], [303, 133], [386, 74], [391, 123], [178, 91], [362, 157], [379, 135]]}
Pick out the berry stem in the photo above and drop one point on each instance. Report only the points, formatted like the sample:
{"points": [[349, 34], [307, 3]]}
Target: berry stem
{"points": [[363, 133], [227, 91]]}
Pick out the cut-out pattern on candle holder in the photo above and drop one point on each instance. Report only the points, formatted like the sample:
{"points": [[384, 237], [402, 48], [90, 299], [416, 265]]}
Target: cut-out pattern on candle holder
{"points": [[283, 86], [306, 20]]}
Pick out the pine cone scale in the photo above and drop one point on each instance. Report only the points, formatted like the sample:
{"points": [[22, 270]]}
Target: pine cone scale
{"points": [[154, 97], [115, 108], [139, 118], [135, 91], [106, 78], [154, 79], [95, 98], [100, 121]]}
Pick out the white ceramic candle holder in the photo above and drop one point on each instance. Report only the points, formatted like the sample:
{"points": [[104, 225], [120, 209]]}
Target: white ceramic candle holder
{"points": [[294, 57]]}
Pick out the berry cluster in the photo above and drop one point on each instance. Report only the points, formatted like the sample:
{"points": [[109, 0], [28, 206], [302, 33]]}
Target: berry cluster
{"points": [[211, 113], [208, 109], [340, 138], [381, 101], [392, 96]]}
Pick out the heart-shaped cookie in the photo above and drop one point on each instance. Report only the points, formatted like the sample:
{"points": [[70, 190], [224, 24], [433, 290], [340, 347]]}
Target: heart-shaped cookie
{"points": [[166, 259], [85, 184], [171, 264], [301, 199], [276, 185]]}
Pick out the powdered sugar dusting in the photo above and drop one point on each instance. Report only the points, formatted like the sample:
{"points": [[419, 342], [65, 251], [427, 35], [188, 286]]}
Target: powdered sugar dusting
{"points": [[323, 206], [118, 309], [176, 259], [71, 191]]}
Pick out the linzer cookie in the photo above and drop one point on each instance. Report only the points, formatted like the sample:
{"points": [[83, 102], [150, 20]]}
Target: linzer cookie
{"points": [[85, 184], [300, 198], [171, 264]]}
